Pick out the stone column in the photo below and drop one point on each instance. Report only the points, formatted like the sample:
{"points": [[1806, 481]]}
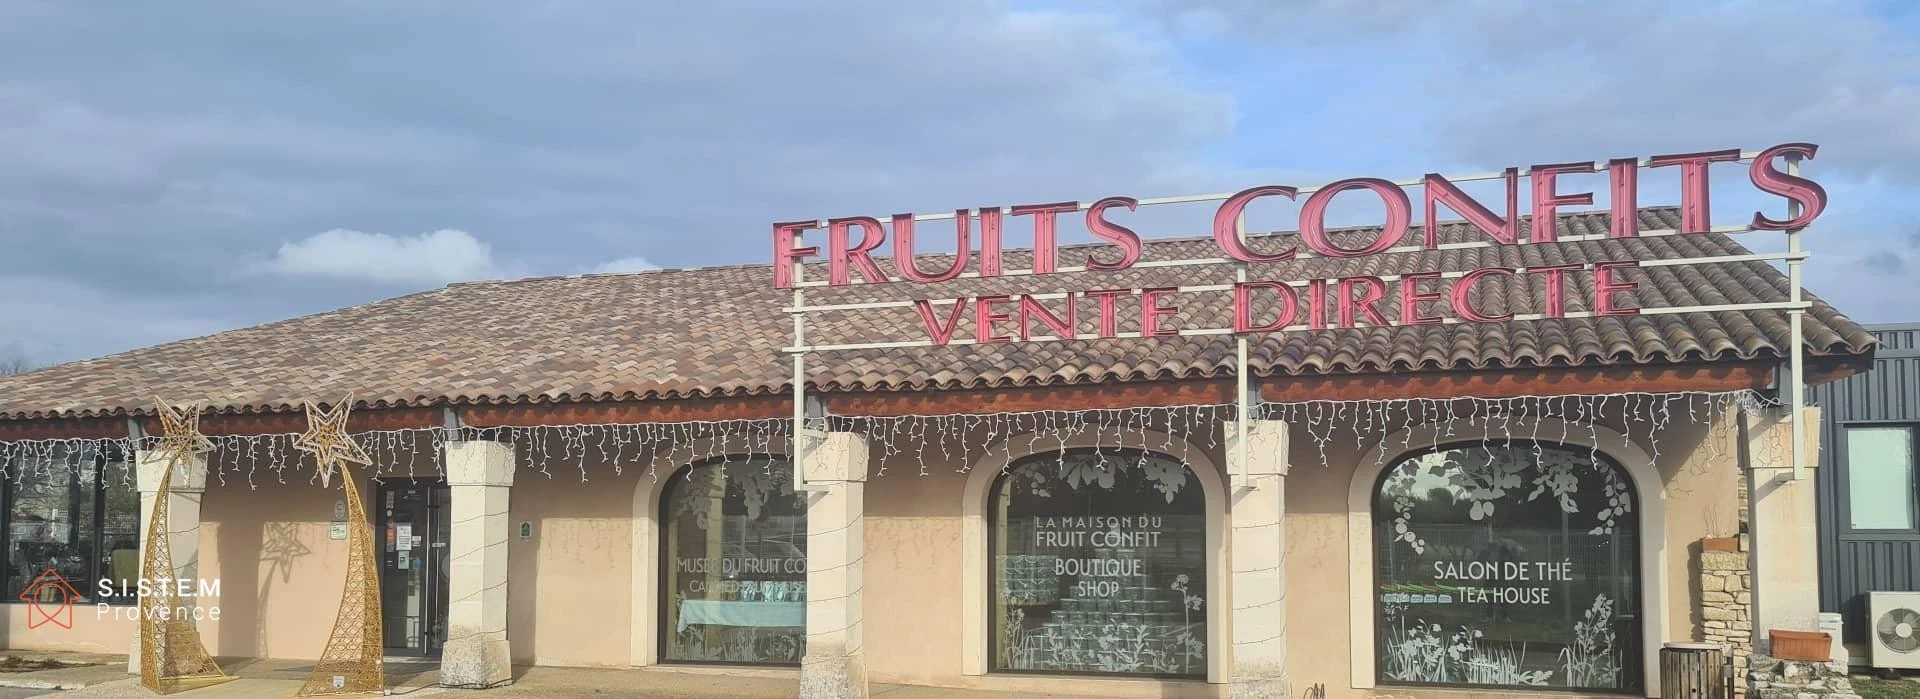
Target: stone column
{"points": [[1259, 555], [1785, 542], [1726, 606], [480, 476], [834, 666], [183, 521]]}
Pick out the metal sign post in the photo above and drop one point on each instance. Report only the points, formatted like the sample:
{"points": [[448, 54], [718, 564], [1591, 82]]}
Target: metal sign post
{"points": [[1797, 365], [853, 241], [800, 432]]}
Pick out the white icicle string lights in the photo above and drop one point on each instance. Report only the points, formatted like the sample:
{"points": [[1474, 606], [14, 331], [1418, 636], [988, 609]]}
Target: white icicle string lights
{"points": [[64, 456], [1640, 419], [957, 442], [968, 438]]}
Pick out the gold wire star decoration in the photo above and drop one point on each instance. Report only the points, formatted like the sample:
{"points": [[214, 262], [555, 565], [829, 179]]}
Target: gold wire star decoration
{"points": [[180, 438], [326, 438]]}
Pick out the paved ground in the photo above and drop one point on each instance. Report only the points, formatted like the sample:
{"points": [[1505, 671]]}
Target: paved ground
{"points": [[104, 677], [243, 688]]}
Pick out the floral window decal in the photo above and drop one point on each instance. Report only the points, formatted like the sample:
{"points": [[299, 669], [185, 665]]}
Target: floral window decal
{"points": [[1507, 564], [1099, 565]]}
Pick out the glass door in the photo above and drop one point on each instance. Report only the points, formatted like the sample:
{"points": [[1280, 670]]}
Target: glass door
{"points": [[412, 526], [441, 524]]}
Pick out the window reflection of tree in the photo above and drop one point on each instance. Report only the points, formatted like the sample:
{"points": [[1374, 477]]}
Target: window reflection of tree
{"points": [[75, 513]]}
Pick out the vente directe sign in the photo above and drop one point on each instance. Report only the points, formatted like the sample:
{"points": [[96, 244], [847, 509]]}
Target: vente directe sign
{"points": [[1425, 296]]}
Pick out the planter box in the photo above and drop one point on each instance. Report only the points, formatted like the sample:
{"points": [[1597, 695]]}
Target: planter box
{"points": [[1804, 646], [1720, 543]]}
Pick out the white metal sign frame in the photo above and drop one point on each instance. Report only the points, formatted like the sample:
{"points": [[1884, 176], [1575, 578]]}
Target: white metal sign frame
{"points": [[1795, 306]]}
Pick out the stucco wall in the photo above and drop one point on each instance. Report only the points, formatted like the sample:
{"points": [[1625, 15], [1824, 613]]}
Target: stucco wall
{"points": [[567, 587], [914, 616], [571, 600], [913, 609], [280, 573], [92, 631]]}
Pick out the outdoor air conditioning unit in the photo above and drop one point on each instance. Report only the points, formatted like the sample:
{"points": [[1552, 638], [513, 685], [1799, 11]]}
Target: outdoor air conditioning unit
{"points": [[1893, 628]]}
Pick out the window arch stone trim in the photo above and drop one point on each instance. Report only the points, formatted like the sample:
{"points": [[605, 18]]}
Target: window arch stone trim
{"points": [[1648, 487]]}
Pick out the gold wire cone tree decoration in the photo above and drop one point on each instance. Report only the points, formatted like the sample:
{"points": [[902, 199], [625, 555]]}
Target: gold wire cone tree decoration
{"points": [[354, 660], [172, 657]]}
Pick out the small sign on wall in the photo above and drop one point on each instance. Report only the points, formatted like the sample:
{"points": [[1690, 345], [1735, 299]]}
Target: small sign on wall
{"points": [[339, 529], [526, 531]]}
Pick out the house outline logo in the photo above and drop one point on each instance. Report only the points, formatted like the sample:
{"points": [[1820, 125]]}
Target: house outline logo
{"points": [[48, 584]]}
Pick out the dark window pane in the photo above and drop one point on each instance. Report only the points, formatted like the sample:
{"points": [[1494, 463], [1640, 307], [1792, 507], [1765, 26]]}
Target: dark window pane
{"points": [[736, 564], [1508, 564], [1099, 565], [52, 525], [119, 533]]}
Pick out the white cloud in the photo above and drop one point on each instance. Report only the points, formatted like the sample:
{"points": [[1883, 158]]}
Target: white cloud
{"points": [[347, 255], [577, 135], [624, 265], [572, 134]]}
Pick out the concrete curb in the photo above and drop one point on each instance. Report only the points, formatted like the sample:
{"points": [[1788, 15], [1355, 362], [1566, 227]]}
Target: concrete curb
{"points": [[65, 679], [42, 684]]}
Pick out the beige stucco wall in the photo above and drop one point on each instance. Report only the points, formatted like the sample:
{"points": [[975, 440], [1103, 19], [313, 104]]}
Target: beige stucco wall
{"points": [[913, 575], [280, 573], [570, 600], [914, 616], [92, 632], [567, 587]]}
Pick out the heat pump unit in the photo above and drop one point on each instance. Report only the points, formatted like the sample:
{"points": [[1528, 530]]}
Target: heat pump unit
{"points": [[1893, 628]]}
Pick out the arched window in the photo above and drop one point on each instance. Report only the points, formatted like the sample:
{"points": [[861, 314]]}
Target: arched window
{"points": [[1099, 565], [1508, 564], [735, 563]]}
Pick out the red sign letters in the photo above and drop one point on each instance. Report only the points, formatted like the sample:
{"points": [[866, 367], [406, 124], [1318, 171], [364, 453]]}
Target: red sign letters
{"points": [[852, 242]]}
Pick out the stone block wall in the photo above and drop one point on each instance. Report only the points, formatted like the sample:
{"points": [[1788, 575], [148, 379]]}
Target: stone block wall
{"points": [[1726, 601], [1792, 679]]}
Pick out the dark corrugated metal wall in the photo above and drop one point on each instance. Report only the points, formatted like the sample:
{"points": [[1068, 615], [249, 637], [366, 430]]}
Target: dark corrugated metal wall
{"points": [[1854, 563]]}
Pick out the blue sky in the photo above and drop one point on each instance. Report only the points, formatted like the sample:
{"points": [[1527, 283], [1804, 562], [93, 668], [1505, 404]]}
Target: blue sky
{"points": [[169, 171]]}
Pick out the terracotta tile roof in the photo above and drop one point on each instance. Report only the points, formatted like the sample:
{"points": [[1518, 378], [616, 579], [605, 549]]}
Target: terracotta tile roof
{"points": [[718, 331]]}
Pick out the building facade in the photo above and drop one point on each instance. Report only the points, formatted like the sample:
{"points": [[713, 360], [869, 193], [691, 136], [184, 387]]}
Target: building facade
{"points": [[1868, 495], [598, 471]]}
